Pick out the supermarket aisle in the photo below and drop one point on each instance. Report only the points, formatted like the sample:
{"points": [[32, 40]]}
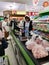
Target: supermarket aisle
{"points": [[9, 52]]}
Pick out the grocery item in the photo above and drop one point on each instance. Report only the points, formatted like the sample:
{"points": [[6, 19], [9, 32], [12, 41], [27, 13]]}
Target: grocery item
{"points": [[39, 40], [46, 45], [30, 46], [39, 51], [30, 43], [38, 46]]}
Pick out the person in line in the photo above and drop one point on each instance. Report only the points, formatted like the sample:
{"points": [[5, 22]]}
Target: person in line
{"points": [[5, 27], [13, 24], [3, 43], [27, 26]]}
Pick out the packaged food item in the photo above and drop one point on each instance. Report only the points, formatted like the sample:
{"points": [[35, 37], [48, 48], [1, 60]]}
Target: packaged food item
{"points": [[39, 51]]}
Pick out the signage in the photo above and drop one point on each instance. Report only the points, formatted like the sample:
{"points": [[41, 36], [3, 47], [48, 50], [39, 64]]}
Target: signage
{"points": [[32, 13], [45, 4], [35, 2], [13, 11], [21, 12]]}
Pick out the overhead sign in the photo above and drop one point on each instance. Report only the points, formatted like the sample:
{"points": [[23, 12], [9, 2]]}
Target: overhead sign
{"points": [[35, 2], [45, 4], [32, 13], [13, 11], [19, 12]]}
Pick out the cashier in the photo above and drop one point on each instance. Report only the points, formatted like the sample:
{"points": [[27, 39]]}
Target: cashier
{"points": [[27, 26]]}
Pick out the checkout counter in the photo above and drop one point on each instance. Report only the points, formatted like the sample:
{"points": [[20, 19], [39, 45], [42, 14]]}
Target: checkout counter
{"points": [[23, 55]]}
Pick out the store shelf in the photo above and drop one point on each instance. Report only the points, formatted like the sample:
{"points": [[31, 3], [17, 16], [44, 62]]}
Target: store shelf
{"points": [[42, 14], [45, 31], [42, 22]]}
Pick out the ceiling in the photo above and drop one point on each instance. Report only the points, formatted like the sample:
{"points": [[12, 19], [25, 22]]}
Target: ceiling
{"points": [[8, 4], [21, 5], [11, 6], [23, 1], [18, 1]]}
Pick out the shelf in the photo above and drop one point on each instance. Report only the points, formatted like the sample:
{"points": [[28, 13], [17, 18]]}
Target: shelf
{"points": [[45, 31], [42, 22], [42, 14]]}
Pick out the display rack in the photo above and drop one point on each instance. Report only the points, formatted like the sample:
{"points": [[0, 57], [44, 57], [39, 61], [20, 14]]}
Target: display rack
{"points": [[43, 28]]}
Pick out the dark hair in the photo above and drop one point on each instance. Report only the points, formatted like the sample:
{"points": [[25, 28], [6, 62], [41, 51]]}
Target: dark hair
{"points": [[27, 17], [36, 37], [5, 18]]}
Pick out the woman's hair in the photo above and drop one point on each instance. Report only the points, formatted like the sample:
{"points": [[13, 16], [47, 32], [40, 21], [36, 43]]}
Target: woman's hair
{"points": [[5, 18], [27, 17]]}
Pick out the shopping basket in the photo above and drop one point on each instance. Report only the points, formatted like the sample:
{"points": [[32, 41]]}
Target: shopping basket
{"points": [[4, 60]]}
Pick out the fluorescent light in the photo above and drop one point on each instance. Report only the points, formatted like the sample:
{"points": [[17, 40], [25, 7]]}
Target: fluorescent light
{"points": [[21, 12]]}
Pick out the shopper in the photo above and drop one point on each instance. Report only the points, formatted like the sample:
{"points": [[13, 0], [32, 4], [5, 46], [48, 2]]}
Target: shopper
{"points": [[5, 27], [27, 26], [3, 44], [13, 24]]}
